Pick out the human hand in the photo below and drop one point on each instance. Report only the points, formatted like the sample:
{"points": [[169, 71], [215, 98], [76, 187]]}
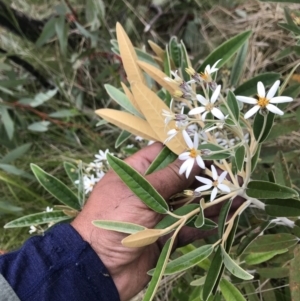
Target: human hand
{"points": [[111, 199]]}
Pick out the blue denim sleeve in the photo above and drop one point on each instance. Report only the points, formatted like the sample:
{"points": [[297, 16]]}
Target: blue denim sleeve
{"points": [[58, 266]]}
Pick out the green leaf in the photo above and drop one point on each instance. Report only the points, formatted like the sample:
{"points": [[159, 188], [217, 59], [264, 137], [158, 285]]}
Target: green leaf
{"points": [[184, 62], [257, 258], [61, 29], [54, 216], [64, 113], [255, 158], [123, 227], [200, 220], [72, 171], [249, 87], [169, 220], [187, 261], [230, 292], [55, 187], [163, 159], [258, 126], [282, 174], [7, 122], [175, 51], [272, 242], [145, 57], [159, 270], [252, 235], [42, 97], [234, 268], [223, 217], [274, 272], [240, 157], [122, 100], [40, 126], [138, 185], [238, 66], [268, 190], [15, 171], [7, 208], [287, 207], [291, 28], [231, 236], [282, 1], [212, 276], [233, 106], [47, 33], [251, 291], [167, 70], [15, 153], [294, 275], [226, 50], [124, 136]]}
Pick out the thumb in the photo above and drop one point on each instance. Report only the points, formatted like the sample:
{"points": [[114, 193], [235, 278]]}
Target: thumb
{"points": [[168, 181]]}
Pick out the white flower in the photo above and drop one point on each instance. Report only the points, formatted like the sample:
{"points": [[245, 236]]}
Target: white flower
{"points": [[32, 229], [139, 138], [89, 183], [94, 166], [49, 209], [208, 71], [208, 106], [191, 156], [216, 183], [179, 126], [99, 176], [101, 156], [264, 102]]}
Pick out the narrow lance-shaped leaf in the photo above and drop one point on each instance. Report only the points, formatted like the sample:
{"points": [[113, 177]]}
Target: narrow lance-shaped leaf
{"points": [[258, 126], [213, 274], [143, 238], [72, 171], [187, 261], [223, 217], [199, 222], [124, 136], [55, 187], [54, 216], [122, 100], [126, 121], [163, 159], [15, 153], [286, 207], [268, 190], [226, 50], [118, 226], [234, 268], [159, 270], [175, 51], [240, 157], [257, 258], [233, 106], [230, 292], [282, 174], [138, 185], [238, 65]]}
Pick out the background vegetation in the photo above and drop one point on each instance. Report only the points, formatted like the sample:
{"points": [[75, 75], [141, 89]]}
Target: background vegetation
{"points": [[57, 55]]}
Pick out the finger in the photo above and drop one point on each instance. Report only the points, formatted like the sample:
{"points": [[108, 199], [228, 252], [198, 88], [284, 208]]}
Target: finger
{"points": [[142, 159], [168, 181]]}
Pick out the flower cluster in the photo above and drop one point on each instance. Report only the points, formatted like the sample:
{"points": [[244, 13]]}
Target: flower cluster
{"points": [[94, 171], [206, 117]]}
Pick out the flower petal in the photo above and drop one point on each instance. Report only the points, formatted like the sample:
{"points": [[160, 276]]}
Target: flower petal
{"points": [[216, 94], [274, 109], [246, 99], [214, 173], [261, 89], [213, 68], [183, 167], [273, 89], [222, 176], [200, 162], [217, 113], [196, 140], [281, 99], [190, 165], [203, 188], [184, 156], [202, 99], [204, 180], [187, 139], [252, 111], [213, 194], [204, 115], [198, 110], [224, 187]]}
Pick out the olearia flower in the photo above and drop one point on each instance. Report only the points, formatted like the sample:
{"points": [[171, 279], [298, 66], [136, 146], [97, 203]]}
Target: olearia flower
{"points": [[208, 105], [180, 126], [204, 76], [192, 155], [101, 156], [264, 102], [216, 183]]}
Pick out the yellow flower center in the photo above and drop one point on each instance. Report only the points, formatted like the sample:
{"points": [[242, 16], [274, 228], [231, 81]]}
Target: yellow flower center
{"points": [[190, 71], [206, 77], [215, 183], [262, 102], [209, 107], [193, 153]]}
